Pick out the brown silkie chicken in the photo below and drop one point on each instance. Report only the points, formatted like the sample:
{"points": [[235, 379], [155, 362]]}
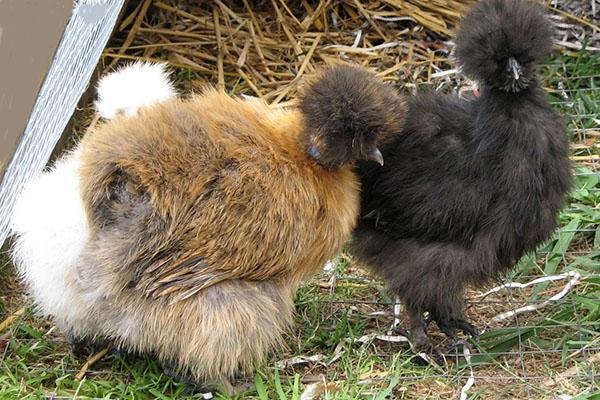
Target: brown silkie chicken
{"points": [[201, 218]]}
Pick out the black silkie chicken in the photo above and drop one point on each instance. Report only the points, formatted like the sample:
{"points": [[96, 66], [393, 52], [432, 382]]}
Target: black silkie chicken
{"points": [[468, 187]]}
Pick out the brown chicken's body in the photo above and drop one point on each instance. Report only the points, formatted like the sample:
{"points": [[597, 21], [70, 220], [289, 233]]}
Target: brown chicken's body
{"points": [[220, 183], [189, 225], [205, 215]]}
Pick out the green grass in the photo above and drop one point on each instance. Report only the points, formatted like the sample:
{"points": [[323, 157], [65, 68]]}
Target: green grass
{"points": [[37, 361]]}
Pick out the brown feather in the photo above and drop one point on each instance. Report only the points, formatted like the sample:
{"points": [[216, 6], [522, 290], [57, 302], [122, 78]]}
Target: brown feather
{"points": [[206, 214], [227, 181]]}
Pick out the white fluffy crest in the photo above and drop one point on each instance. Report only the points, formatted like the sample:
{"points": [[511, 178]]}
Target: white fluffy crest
{"points": [[50, 231], [132, 87]]}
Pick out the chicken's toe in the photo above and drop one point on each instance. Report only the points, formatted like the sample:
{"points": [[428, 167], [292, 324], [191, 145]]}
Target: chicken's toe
{"points": [[467, 328], [449, 327], [400, 331], [420, 341]]}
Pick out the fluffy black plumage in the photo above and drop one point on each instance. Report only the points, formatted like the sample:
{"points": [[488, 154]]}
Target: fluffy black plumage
{"points": [[495, 31], [347, 109], [468, 187]]}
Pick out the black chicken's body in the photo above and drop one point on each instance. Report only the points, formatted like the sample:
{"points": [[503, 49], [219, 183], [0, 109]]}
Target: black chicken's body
{"points": [[468, 187]]}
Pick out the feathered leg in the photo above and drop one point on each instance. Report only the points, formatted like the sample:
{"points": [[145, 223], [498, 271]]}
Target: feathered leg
{"points": [[79, 347], [450, 325], [447, 309], [418, 332], [426, 278]]}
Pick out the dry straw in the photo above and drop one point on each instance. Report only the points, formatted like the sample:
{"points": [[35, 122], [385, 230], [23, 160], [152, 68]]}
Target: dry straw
{"points": [[265, 48]]}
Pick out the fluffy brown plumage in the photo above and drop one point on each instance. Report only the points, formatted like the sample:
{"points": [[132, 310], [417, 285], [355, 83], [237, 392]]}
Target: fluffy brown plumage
{"points": [[192, 205], [212, 189], [206, 214]]}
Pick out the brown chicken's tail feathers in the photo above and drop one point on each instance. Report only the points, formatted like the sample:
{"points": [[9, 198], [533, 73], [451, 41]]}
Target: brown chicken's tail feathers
{"points": [[129, 88]]}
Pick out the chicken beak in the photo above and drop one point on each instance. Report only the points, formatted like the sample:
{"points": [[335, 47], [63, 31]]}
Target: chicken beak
{"points": [[514, 67], [376, 155]]}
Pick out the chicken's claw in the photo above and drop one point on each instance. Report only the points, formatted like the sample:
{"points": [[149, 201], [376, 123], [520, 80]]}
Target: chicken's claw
{"points": [[450, 326]]}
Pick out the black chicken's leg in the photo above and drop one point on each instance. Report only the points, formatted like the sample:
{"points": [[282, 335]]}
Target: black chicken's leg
{"points": [[418, 332]]}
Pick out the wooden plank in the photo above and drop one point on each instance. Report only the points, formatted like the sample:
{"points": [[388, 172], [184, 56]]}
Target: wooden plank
{"points": [[30, 32], [83, 39]]}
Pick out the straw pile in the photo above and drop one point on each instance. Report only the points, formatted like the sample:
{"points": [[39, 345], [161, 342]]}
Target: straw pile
{"points": [[265, 48]]}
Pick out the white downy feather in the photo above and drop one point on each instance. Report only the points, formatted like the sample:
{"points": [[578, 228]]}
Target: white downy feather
{"points": [[50, 230], [132, 87]]}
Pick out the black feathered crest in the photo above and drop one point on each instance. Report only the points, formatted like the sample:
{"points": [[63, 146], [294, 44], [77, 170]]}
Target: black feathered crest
{"points": [[347, 112], [502, 41]]}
